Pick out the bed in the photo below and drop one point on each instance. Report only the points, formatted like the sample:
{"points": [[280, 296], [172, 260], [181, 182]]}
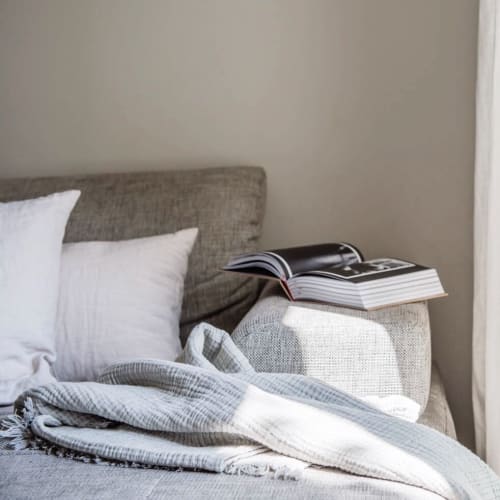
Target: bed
{"points": [[227, 204]]}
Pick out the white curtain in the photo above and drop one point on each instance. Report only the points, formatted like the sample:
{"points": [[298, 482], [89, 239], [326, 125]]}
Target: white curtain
{"points": [[486, 338]]}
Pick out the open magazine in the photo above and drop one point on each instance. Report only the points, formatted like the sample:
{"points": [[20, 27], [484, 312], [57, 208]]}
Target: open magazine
{"points": [[337, 273]]}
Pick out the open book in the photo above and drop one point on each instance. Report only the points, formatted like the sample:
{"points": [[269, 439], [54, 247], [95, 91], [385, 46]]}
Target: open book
{"points": [[336, 273]]}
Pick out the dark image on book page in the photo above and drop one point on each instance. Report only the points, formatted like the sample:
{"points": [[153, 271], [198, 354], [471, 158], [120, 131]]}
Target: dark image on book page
{"points": [[369, 267], [300, 259], [284, 263]]}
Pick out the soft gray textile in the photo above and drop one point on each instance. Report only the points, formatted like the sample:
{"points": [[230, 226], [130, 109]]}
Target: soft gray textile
{"points": [[34, 475], [384, 352], [219, 410], [226, 204]]}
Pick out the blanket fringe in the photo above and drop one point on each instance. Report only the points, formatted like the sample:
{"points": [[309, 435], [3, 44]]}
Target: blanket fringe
{"points": [[259, 470], [59, 451], [287, 473], [16, 434], [15, 430]]}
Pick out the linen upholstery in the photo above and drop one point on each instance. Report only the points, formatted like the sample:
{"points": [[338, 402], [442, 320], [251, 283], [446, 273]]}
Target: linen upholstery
{"points": [[29, 475], [226, 204], [384, 352], [437, 414]]}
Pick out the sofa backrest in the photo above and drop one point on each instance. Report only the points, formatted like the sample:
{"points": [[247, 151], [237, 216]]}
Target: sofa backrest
{"points": [[226, 204]]}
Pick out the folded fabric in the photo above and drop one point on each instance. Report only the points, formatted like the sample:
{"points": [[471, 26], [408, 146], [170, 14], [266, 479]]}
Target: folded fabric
{"points": [[213, 412]]}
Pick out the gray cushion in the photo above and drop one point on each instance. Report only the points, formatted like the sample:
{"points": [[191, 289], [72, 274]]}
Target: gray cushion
{"points": [[226, 204], [382, 352]]}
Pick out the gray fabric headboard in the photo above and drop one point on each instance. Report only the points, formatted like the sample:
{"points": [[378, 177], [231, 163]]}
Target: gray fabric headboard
{"points": [[226, 204]]}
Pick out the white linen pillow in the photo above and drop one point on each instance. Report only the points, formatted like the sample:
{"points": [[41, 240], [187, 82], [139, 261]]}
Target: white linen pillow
{"points": [[31, 234], [120, 300]]}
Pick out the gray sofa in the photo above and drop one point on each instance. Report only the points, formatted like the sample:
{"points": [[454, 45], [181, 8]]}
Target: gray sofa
{"points": [[380, 353]]}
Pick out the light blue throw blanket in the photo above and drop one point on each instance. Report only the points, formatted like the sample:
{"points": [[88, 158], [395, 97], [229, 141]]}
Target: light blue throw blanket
{"points": [[213, 412]]}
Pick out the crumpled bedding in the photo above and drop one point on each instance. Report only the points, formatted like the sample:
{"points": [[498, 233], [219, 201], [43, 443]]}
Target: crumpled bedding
{"points": [[213, 412]]}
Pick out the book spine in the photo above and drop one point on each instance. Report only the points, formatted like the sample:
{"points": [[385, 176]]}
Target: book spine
{"points": [[287, 290]]}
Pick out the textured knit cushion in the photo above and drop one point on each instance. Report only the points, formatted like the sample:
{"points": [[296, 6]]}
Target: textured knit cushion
{"points": [[437, 414], [120, 300], [382, 352], [31, 234], [226, 204]]}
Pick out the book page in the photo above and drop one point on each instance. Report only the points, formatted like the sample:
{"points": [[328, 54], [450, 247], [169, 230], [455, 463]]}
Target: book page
{"points": [[315, 257]]}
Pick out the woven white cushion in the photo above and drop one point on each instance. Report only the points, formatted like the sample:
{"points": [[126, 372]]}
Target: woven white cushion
{"points": [[385, 352], [31, 234], [120, 300]]}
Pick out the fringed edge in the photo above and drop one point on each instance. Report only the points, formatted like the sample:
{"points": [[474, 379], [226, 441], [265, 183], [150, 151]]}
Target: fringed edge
{"points": [[55, 450], [260, 470], [287, 474], [15, 430], [16, 434]]}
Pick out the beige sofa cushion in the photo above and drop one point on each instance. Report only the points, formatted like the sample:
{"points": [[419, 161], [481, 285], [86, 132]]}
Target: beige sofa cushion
{"points": [[437, 414], [384, 352]]}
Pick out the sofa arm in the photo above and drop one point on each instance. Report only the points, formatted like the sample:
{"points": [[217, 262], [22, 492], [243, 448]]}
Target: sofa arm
{"points": [[385, 352]]}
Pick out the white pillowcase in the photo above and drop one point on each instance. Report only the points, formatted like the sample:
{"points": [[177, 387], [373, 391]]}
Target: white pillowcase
{"points": [[120, 300], [31, 234]]}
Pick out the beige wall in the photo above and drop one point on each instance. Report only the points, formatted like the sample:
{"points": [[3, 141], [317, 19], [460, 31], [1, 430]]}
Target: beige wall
{"points": [[362, 112]]}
